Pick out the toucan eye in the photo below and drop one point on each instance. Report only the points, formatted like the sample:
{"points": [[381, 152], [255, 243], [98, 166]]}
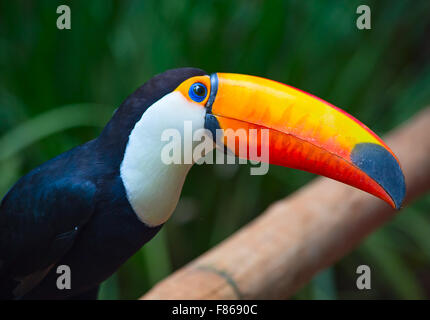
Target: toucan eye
{"points": [[198, 92]]}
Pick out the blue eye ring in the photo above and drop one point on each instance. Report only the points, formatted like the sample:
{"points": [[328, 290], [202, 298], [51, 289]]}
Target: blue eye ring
{"points": [[198, 92]]}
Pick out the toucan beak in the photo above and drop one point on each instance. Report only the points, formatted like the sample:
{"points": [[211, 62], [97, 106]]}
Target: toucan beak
{"points": [[305, 133]]}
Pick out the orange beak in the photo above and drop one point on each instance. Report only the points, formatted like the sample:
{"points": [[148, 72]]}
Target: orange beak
{"points": [[305, 133]]}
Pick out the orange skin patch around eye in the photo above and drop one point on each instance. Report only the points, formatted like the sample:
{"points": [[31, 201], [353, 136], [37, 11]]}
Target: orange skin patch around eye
{"points": [[184, 88]]}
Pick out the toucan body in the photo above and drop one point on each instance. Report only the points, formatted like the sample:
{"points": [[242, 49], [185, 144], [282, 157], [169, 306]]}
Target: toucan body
{"points": [[94, 206]]}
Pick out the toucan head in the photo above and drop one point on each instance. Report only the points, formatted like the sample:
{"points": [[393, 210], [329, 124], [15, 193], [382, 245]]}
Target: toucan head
{"points": [[305, 132]]}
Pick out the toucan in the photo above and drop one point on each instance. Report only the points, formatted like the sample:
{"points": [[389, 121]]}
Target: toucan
{"points": [[94, 206]]}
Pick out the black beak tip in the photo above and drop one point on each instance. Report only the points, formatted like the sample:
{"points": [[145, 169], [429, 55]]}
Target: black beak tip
{"points": [[380, 165]]}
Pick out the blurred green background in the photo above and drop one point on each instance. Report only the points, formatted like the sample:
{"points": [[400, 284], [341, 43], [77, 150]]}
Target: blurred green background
{"points": [[59, 87]]}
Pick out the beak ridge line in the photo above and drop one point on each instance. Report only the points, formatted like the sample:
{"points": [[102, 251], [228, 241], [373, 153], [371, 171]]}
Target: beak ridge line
{"points": [[212, 94]]}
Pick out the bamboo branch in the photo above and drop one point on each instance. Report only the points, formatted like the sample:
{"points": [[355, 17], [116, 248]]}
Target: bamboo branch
{"points": [[273, 256]]}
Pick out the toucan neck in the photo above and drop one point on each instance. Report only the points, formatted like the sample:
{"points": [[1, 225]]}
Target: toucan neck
{"points": [[152, 186]]}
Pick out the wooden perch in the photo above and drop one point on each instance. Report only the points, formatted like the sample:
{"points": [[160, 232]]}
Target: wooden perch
{"points": [[273, 256]]}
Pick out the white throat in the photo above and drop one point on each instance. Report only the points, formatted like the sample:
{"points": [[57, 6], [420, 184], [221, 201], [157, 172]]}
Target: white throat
{"points": [[153, 187]]}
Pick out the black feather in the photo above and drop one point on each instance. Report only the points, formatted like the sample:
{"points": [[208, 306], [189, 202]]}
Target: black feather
{"points": [[73, 209]]}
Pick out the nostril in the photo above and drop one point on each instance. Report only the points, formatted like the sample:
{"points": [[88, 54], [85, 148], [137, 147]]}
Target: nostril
{"points": [[380, 165]]}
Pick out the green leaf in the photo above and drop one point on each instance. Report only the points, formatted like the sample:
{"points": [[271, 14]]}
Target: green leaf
{"points": [[54, 121]]}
